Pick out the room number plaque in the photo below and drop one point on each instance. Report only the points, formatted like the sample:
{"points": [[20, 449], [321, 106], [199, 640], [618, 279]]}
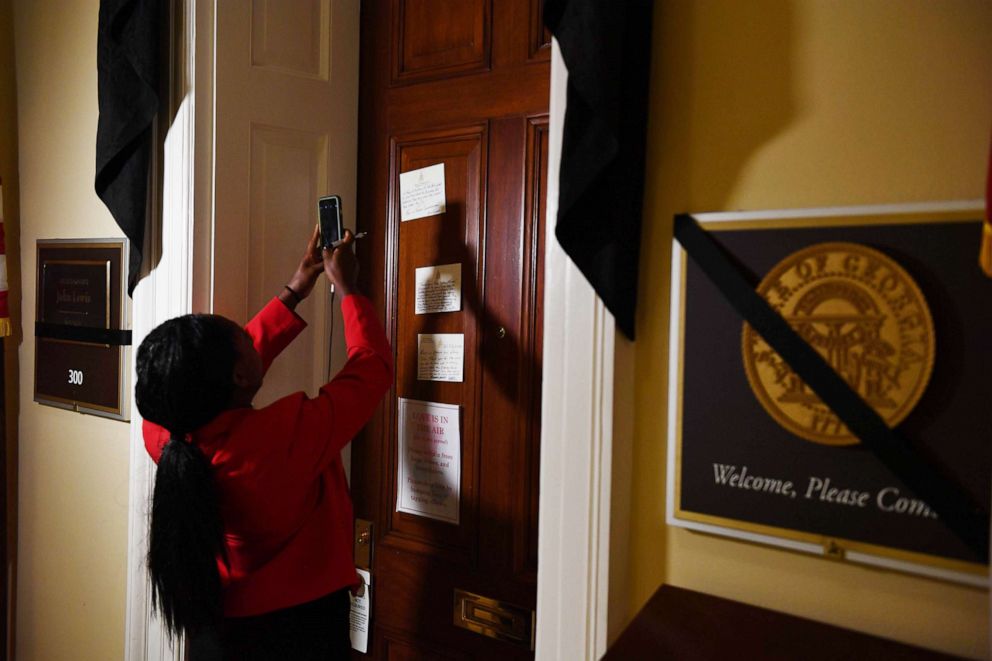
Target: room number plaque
{"points": [[81, 337]]}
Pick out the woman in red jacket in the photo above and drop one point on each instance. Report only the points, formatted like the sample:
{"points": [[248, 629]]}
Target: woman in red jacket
{"points": [[250, 547]]}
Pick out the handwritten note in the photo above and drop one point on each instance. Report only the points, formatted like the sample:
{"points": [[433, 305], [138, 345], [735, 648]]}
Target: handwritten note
{"points": [[430, 462], [422, 192], [439, 289], [440, 356]]}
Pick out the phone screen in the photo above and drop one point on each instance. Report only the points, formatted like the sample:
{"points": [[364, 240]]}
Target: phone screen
{"points": [[329, 213]]}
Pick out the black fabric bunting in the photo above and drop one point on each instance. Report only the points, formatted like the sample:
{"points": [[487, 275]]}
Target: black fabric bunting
{"points": [[606, 45], [127, 87]]}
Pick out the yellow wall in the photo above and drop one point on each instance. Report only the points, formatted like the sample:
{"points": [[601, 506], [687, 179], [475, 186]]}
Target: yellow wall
{"points": [[781, 104], [73, 468]]}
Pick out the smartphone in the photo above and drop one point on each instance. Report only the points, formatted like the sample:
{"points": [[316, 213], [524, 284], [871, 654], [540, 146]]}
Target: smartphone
{"points": [[330, 220]]}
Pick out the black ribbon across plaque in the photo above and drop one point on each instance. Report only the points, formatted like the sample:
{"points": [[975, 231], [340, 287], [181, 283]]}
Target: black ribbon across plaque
{"points": [[80, 333], [790, 337]]}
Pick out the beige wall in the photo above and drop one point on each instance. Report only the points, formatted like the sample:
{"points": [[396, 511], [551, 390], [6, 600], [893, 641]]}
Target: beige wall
{"points": [[73, 468], [781, 104]]}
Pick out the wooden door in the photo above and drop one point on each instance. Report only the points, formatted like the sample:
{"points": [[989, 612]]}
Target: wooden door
{"points": [[463, 83]]}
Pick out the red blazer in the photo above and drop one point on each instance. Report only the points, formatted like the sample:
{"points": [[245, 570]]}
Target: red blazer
{"points": [[288, 520]]}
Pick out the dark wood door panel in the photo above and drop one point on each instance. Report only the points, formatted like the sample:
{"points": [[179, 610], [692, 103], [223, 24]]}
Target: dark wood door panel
{"points": [[395, 646], [540, 36], [417, 606], [452, 102], [453, 237], [478, 105], [528, 42], [440, 38], [535, 207], [507, 354]]}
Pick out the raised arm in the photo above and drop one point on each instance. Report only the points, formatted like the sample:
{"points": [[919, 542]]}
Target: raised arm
{"points": [[277, 324], [271, 330], [323, 425]]}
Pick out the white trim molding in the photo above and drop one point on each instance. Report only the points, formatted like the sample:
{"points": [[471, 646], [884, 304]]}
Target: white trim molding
{"points": [[167, 288], [576, 440]]}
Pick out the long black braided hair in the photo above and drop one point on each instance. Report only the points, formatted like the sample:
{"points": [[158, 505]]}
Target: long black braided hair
{"points": [[184, 369]]}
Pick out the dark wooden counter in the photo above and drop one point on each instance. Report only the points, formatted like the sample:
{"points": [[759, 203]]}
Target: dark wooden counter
{"points": [[682, 624]]}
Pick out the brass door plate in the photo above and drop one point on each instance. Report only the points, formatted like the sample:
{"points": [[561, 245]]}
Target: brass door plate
{"points": [[494, 619], [363, 544]]}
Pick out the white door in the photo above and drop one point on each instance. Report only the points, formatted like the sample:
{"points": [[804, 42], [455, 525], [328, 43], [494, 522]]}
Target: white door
{"points": [[286, 103]]}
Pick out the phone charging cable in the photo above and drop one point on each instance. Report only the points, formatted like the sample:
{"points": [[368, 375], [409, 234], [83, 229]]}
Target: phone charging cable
{"points": [[330, 334]]}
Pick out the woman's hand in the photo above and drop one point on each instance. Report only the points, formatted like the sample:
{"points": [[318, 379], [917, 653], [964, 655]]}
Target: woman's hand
{"points": [[341, 265], [306, 274]]}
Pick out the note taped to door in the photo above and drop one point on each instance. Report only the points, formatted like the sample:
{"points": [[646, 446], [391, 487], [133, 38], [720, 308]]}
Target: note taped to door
{"points": [[430, 461], [358, 619], [422, 192], [440, 357], [439, 289]]}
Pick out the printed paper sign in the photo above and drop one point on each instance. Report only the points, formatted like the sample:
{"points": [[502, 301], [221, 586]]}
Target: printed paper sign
{"points": [[440, 357], [439, 289], [422, 192], [360, 613], [430, 462]]}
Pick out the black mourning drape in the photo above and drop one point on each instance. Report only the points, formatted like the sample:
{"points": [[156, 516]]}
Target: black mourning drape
{"points": [[606, 45], [127, 87]]}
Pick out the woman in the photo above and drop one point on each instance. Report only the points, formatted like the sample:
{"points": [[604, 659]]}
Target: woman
{"points": [[250, 548]]}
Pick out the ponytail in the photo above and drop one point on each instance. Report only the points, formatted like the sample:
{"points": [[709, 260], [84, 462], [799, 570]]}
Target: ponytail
{"points": [[186, 539], [184, 370]]}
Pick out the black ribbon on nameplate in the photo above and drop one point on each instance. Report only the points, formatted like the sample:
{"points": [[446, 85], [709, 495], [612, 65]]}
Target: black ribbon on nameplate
{"points": [[967, 519], [109, 336]]}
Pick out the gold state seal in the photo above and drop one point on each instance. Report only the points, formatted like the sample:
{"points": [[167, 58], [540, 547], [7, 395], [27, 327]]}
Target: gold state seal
{"points": [[864, 314]]}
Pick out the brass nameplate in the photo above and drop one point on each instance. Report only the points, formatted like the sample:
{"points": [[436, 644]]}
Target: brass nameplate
{"points": [[363, 544], [82, 326]]}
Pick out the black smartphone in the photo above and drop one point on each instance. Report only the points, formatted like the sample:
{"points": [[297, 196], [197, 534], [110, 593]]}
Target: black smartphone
{"points": [[330, 220]]}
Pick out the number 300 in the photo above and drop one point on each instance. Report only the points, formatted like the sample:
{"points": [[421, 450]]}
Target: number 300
{"points": [[76, 377]]}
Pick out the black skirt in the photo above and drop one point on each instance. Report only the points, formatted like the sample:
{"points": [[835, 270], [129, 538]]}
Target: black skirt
{"points": [[315, 630]]}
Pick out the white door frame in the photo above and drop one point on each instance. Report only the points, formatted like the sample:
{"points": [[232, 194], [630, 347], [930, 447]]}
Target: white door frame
{"points": [[576, 439], [577, 397], [179, 251]]}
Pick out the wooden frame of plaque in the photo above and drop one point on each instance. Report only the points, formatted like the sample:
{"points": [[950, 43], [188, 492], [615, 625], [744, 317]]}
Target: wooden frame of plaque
{"points": [[738, 467], [82, 336]]}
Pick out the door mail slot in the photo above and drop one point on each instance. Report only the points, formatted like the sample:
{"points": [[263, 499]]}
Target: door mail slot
{"points": [[494, 619]]}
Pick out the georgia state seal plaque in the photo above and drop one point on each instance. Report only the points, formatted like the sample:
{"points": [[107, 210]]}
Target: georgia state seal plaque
{"points": [[864, 314]]}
